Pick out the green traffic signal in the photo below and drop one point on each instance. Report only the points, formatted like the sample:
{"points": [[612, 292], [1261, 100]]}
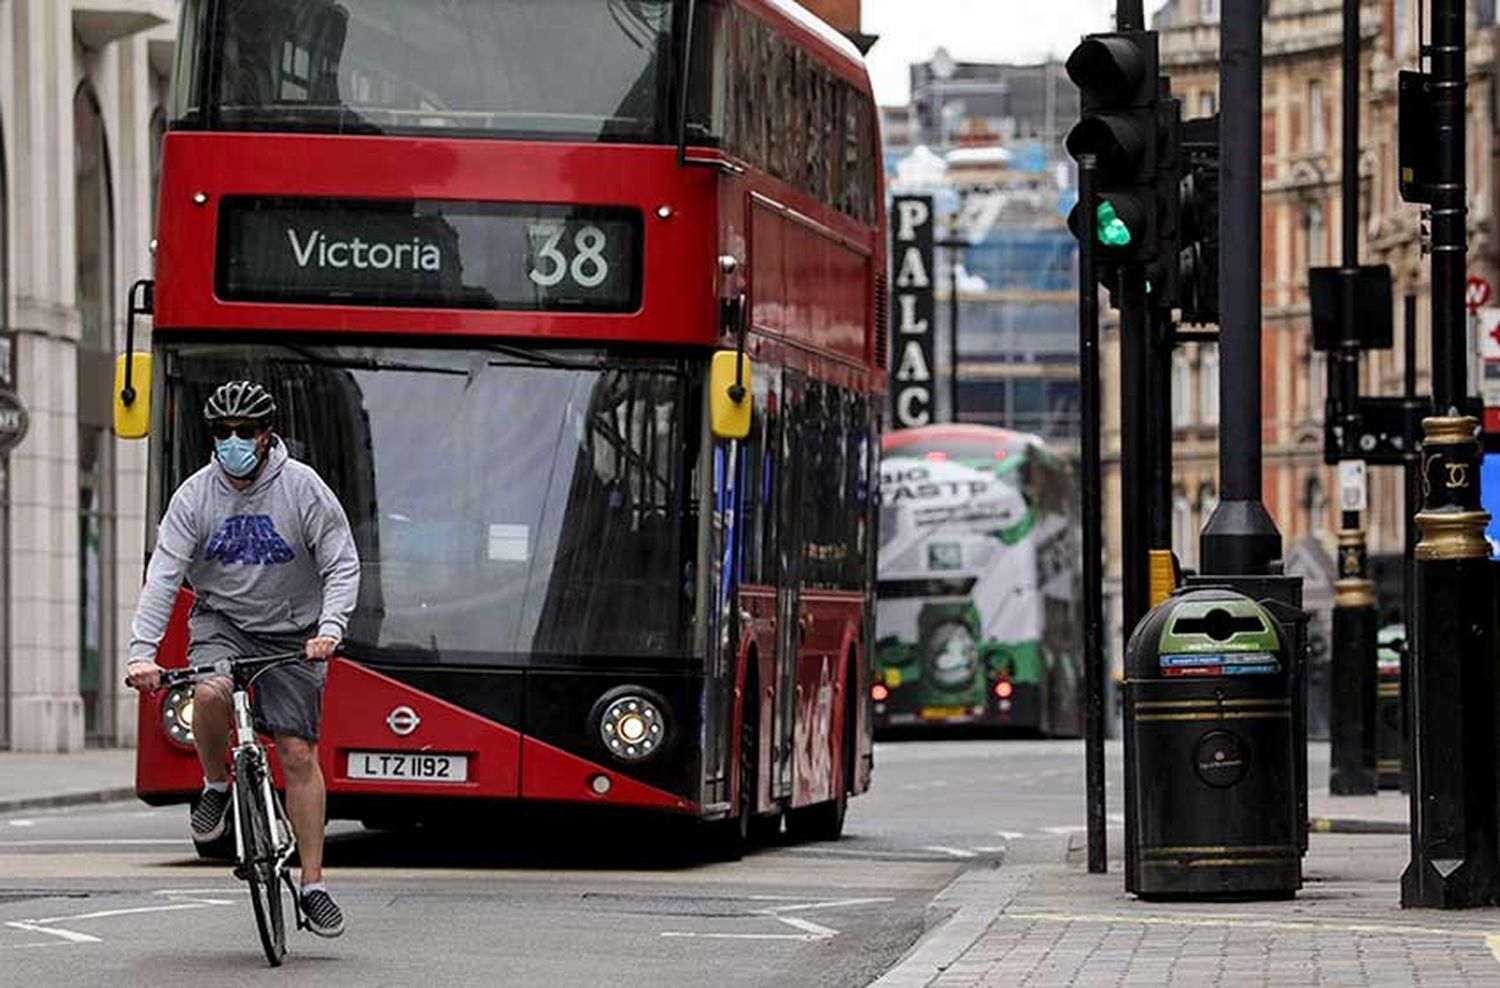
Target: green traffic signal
{"points": [[1112, 230]]}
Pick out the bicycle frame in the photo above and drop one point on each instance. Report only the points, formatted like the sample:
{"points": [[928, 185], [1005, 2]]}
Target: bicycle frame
{"points": [[246, 744]]}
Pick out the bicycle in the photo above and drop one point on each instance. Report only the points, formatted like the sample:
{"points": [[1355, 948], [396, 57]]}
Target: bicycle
{"points": [[263, 837]]}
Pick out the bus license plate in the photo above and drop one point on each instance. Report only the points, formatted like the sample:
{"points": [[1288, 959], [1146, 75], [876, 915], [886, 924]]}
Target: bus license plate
{"points": [[408, 766]]}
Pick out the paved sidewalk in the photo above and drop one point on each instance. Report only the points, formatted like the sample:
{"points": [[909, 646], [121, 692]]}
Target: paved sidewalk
{"points": [[96, 775], [1059, 926]]}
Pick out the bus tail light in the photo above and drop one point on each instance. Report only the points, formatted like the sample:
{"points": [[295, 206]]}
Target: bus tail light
{"points": [[879, 692], [1004, 689]]}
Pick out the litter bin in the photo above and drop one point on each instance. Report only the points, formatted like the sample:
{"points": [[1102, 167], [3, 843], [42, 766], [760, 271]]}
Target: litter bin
{"points": [[1210, 751]]}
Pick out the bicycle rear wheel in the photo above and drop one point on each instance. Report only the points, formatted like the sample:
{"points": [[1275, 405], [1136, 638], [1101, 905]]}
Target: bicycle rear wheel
{"points": [[259, 862]]}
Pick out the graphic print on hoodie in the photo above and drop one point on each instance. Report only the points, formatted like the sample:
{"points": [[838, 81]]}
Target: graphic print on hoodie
{"points": [[250, 540]]}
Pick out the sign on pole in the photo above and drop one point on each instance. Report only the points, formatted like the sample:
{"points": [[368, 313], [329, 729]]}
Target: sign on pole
{"points": [[14, 420], [1477, 293], [1353, 486], [912, 316]]}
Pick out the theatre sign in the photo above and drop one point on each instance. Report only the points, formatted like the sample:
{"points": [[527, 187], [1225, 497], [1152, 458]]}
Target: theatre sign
{"points": [[912, 316]]}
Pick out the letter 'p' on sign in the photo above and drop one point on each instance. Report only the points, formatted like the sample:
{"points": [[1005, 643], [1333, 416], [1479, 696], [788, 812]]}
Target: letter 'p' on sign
{"points": [[912, 315]]}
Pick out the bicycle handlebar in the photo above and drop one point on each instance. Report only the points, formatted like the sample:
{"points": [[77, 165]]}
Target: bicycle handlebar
{"points": [[223, 667]]}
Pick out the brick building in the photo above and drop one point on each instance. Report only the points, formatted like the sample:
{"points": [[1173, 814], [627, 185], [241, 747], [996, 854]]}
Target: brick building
{"points": [[1300, 228]]}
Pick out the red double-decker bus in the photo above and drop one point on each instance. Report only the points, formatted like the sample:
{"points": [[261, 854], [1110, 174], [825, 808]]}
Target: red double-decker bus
{"points": [[578, 305]]}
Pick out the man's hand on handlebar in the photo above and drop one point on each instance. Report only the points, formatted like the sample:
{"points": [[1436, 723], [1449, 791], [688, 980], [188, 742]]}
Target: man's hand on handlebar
{"points": [[321, 648], [143, 674]]}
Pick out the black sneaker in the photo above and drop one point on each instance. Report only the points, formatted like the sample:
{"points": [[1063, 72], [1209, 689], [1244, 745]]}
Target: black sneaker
{"points": [[322, 914], [210, 815]]}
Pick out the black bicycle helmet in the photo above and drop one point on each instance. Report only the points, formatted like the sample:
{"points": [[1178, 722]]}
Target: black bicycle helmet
{"points": [[239, 400]]}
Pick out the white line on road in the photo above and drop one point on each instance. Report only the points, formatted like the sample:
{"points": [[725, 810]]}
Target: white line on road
{"points": [[133, 911], [21, 823], [816, 930], [992, 850], [1010, 834], [69, 935], [835, 904], [918, 786], [952, 852], [1064, 831]]}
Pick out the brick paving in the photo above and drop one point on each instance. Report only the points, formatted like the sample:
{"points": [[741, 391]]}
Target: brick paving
{"points": [[1062, 927]]}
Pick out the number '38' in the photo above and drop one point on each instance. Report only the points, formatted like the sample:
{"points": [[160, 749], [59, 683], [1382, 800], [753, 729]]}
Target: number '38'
{"points": [[589, 267]]}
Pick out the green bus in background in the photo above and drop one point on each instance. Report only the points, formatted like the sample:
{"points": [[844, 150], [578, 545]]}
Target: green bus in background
{"points": [[978, 617]]}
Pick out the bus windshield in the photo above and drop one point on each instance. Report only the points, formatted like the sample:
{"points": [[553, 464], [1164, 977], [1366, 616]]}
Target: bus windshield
{"points": [[510, 506], [587, 70]]}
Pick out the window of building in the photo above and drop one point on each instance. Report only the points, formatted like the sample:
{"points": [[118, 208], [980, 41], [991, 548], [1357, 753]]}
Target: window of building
{"points": [[1211, 11], [1208, 384], [1208, 103], [93, 221], [95, 275], [1184, 538], [1316, 503], [1317, 235], [1317, 384], [1182, 393], [1316, 123], [1208, 500]]}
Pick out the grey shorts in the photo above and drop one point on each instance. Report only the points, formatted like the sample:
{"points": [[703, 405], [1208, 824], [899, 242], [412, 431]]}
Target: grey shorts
{"points": [[287, 699]]}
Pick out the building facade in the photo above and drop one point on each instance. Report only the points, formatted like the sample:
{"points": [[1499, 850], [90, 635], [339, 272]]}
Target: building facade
{"points": [[83, 84], [1301, 223]]}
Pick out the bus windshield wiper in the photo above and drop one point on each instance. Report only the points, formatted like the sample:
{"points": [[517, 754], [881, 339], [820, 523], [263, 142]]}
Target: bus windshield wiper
{"points": [[519, 356]]}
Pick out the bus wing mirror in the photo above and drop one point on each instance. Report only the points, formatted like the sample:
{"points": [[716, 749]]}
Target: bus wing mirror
{"points": [[730, 403], [133, 370], [133, 417]]}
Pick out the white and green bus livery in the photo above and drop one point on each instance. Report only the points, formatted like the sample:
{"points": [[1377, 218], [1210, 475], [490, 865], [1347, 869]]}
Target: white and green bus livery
{"points": [[978, 618]]}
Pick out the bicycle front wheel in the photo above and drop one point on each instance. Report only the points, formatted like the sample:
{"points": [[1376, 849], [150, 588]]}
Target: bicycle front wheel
{"points": [[259, 861]]}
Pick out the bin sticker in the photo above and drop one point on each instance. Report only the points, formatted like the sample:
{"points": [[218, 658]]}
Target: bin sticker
{"points": [[1220, 664]]}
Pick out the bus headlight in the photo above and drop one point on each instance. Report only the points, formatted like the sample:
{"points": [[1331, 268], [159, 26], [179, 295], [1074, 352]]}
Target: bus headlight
{"points": [[632, 726], [177, 716]]}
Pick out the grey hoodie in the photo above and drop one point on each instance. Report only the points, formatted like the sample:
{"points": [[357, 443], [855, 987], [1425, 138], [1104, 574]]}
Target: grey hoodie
{"points": [[275, 558]]}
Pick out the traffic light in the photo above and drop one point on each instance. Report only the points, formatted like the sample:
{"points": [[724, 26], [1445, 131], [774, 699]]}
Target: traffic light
{"points": [[1198, 265], [1116, 75]]}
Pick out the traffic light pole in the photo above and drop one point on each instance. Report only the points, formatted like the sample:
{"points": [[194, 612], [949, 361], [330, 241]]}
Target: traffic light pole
{"points": [[1240, 538], [1453, 811], [1352, 762], [1135, 445], [1092, 500]]}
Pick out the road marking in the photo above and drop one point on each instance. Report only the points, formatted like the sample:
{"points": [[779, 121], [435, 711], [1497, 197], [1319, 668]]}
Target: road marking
{"points": [[992, 850], [917, 786], [21, 823], [1064, 831], [1010, 834], [952, 852], [816, 930], [69, 935], [133, 911], [810, 932], [835, 904]]}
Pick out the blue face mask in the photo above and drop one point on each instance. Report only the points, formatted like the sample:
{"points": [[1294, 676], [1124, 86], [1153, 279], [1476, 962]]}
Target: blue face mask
{"points": [[236, 455]]}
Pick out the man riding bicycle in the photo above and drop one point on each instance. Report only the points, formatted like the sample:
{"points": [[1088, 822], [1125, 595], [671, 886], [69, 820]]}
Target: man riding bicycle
{"points": [[267, 549]]}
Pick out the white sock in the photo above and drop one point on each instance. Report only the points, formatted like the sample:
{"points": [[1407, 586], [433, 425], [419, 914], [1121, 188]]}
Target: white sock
{"points": [[216, 786], [314, 887]]}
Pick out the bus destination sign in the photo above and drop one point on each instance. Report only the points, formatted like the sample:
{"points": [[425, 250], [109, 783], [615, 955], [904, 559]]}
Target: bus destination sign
{"points": [[430, 254]]}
